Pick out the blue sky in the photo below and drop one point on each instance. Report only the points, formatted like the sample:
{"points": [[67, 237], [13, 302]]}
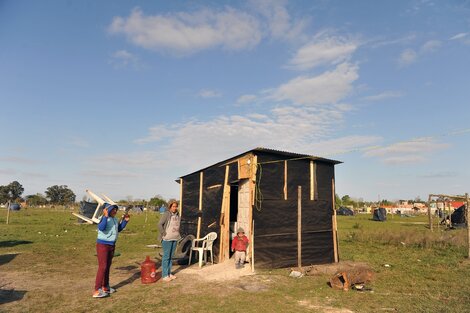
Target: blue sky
{"points": [[123, 97]]}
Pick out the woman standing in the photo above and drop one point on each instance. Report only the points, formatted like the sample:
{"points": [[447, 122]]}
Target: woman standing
{"points": [[169, 234], [108, 229]]}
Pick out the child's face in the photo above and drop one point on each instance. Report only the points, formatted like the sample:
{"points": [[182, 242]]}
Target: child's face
{"points": [[240, 234], [113, 212]]}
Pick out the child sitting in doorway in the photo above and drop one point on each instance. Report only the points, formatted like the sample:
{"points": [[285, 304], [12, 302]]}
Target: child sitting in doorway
{"points": [[239, 246]]}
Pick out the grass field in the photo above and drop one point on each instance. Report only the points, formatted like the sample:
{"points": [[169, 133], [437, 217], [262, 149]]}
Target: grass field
{"points": [[48, 264]]}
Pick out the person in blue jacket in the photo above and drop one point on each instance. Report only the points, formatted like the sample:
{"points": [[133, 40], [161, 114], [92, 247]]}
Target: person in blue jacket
{"points": [[108, 229]]}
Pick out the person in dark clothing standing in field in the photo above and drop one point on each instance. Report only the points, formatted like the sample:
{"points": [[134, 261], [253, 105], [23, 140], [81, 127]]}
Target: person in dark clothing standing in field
{"points": [[169, 234], [108, 229]]}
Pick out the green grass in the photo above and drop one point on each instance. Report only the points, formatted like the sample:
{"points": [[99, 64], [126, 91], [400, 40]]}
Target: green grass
{"points": [[51, 259]]}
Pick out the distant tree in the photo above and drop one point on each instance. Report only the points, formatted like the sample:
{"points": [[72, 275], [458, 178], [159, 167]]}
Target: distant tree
{"points": [[11, 192], [346, 200], [338, 202], [157, 201], [60, 195], [36, 200]]}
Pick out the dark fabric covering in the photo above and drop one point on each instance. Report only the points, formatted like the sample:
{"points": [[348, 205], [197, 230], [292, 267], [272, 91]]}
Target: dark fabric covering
{"points": [[345, 211], [298, 174], [324, 174], [233, 173], [190, 204], [380, 215], [15, 207], [212, 203], [276, 233], [458, 216], [270, 181]]}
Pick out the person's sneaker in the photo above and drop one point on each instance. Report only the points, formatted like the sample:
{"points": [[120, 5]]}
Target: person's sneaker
{"points": [[100, 294], [109, 290], [172, 276], [166, 279]]}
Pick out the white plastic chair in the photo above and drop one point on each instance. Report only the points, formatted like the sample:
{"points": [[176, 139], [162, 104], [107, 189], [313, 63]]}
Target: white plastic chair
{"points": [[207, 243]]}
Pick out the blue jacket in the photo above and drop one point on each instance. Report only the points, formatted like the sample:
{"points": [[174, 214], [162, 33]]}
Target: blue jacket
{"points": [[108, 229]]}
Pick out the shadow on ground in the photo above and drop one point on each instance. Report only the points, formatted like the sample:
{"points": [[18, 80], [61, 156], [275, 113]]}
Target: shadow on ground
{"points": [[12, 243], [6, 258], [11, 295]]}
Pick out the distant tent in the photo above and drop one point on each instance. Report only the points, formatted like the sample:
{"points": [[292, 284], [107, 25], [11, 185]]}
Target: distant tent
{"points": [[345, 211], [380, 214], [15, 207], [162, 209], [458, 216]]}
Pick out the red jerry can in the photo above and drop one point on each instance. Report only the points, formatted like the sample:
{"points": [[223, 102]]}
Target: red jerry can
{"points": [[148, 271]]}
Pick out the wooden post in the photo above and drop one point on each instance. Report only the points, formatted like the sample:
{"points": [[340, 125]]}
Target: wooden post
{"points": [[253, 246], [333, 222], [201, 178], [450, 214], [224, 212], [285, 180], [467, 211], [181, 197], [299, 227], [429, 213], [8, 212], [312, 186]]}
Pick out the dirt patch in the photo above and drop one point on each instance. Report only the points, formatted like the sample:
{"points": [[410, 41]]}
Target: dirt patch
{"points": [[225, 271], [320, 308]]}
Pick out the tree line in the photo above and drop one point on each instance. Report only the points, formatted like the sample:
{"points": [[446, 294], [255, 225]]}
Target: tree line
{"points": [[60, 195]]}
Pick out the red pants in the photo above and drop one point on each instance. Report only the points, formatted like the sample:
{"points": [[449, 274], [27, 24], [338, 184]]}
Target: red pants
{"points": [[105, 255]]}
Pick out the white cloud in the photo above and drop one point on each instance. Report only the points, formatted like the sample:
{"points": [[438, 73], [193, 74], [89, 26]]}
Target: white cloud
{"points": [[407, 57], [329, 87], [459, 36], [337, 146], [323, 51], [186, 33], [279, 23], [384, 96], [413, 151], [430, 46], [285, 128], [246, 99], [208, 93], [123, 58]]}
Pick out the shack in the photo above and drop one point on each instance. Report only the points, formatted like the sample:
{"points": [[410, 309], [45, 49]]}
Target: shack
{"points": [[284, 201]]}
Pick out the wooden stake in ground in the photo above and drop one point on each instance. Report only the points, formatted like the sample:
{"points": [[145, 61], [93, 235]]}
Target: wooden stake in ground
{"points": [[8, 212], [429, 213], [333, 222], [468, 227], [299, 227], [200, 205], [253, 246]]}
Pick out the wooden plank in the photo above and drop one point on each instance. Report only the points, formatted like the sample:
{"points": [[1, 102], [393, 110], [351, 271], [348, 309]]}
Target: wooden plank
{"points": [[224, 226], [8, 211], [312, 193], [333, 222], [429, 213], [467, 212], [181, 197], [201, 178], [299, 226], [244, 166], [285, 180], [252, 246]]}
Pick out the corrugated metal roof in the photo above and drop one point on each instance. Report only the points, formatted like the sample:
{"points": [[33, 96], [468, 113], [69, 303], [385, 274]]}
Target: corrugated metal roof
{"points": [[290, 155]]}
